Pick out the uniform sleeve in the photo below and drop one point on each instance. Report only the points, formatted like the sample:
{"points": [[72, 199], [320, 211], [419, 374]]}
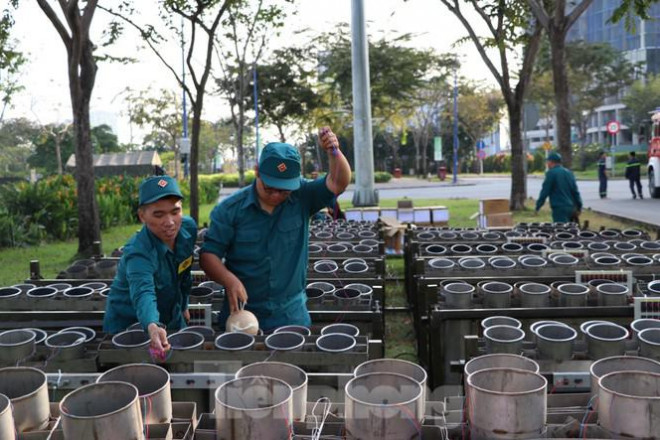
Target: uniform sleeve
{"points": [[186, 283], [221, 232], [548, 182], [140, 271], [628, 170], [315, 194]]}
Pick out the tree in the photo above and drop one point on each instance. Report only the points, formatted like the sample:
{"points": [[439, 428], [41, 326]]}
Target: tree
{"points": [[630, 10], [542, 94], [11, 61], [396, 71], [286, 94], [213, 139], [431, 99], [204, 18], [54, 145], [557, 22], [644, 97], [17, 139], [104, 140], [509, 30], [597, 71], [249, 25], [479, 112], [74, 30], [162, 114]]}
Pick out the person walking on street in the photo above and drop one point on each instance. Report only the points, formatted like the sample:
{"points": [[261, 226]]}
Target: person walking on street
{"points": [[633, 174], [560, 186], [602, 174]]}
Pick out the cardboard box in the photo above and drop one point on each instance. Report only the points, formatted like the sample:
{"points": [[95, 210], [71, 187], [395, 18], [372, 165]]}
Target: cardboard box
{"points": [[393, 232], [439, 215], [493, 206], [501, 220]]}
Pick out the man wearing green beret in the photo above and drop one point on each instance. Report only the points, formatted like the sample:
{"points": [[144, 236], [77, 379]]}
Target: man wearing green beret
{"points": [[560, 186], [153, 280], [256, 245]]}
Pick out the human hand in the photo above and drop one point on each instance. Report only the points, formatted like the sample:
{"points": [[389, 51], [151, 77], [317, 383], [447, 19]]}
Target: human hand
{"points": [[235, 293], [186, 315], [158, 342], [329, 140]]}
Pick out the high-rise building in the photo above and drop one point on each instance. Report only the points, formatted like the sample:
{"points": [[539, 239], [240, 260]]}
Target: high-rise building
{"points": [[641, 46]]}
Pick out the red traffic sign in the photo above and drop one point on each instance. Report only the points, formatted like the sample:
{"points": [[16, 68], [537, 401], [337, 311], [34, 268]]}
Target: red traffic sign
{"points": [[481, 154], [613, 127]]}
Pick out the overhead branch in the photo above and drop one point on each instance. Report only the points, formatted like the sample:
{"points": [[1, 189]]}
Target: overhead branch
{"points": [[539, 12], [59, 27], [147, 39], [454, 8], [576, 12]]}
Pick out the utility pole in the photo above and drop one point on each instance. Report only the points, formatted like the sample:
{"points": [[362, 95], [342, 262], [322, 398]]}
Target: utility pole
{"points": [[256, 112], [455, 167], [184, 145], [364, 194]]}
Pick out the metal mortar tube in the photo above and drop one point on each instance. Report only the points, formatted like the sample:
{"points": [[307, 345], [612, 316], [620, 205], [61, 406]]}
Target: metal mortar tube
{"points": [[102, 411]]}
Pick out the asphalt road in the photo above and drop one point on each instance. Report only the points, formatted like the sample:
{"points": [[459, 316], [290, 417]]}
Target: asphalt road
{"points": [[619, 201]]}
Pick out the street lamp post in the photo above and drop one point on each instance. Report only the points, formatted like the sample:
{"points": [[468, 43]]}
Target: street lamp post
{"points": [[455, 167], [185, 143], [364, 194]]}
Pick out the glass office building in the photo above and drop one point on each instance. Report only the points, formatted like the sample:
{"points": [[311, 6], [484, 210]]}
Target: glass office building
{"points": [[642, 46]]}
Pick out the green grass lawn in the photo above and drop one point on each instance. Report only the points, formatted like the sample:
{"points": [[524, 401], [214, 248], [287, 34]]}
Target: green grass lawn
{"points": [[54, 257]]}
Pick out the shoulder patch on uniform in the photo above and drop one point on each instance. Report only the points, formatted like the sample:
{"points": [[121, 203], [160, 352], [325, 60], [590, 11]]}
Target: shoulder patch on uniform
{"points": [[185, 264]]}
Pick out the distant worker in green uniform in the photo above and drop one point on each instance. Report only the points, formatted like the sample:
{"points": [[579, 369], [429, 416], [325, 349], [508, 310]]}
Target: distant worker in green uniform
{"points": [[633, 174], [262, 233], [602, 174], [153, 280], [560, 186]]}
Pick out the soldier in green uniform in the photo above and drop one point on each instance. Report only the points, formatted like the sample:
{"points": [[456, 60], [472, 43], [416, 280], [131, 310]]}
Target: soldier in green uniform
{"points": [[262, 232], [633, 174], [560, 186], [153, 280]]}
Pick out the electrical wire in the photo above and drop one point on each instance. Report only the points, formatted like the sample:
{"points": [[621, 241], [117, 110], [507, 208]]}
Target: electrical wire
{"points": [[318, 428]]}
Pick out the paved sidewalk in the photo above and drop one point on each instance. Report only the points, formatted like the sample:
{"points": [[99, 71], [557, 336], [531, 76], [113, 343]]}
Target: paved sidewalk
{"points": [[645, 212]]}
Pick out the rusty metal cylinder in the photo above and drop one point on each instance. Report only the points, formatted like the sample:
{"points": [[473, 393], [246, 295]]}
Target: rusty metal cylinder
{"points": [[629, 404], [506, 403]]}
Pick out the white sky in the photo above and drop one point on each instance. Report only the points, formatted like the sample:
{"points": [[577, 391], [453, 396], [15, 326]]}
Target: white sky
{"points": [[46, 94]]}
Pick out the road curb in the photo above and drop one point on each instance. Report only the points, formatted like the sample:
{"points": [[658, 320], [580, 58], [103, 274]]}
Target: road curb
{"points": [[631, 221]]}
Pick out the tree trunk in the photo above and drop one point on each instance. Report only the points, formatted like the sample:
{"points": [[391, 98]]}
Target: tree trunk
{"points": [[82, 74], [425, 162], [194, 156], [240, 151], [562, 104], [58, 154], [89, 229], [177, 162], [518, 171]]}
